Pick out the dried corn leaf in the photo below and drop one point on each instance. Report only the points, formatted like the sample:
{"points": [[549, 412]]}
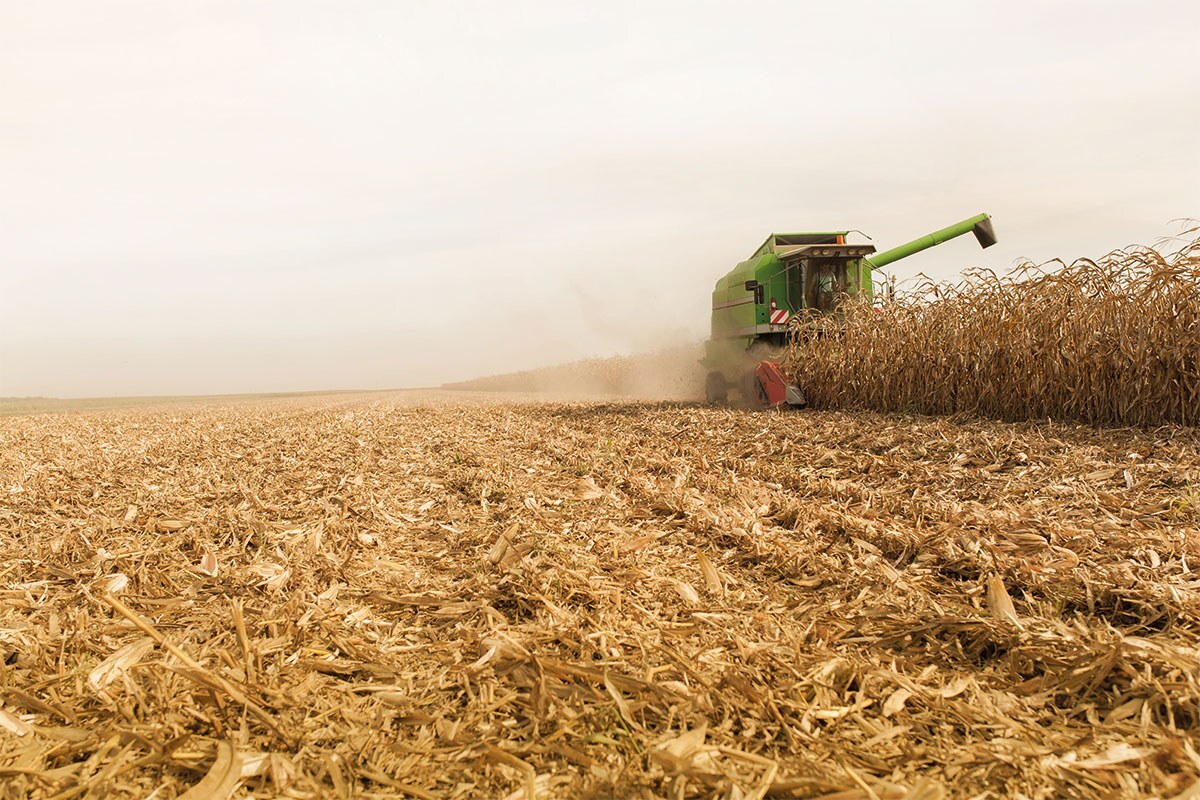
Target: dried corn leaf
{"points": [[208, 563], [112, 584], [119, 663], [1117, 754], [688, 593], [13, 724], [222, 778], [622, 703], [712, 578], [587, 489], [894, 704], [999, 603]]}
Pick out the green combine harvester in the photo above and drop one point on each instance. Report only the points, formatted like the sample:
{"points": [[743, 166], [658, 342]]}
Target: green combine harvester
{"points": [[794, 273]]}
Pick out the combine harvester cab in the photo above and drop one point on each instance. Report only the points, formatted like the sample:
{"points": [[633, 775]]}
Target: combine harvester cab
{"points": [[791, 274]]}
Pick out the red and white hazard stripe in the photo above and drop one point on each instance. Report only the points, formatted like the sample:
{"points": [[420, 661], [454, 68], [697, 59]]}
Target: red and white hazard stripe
{"points": [[779, 316]]}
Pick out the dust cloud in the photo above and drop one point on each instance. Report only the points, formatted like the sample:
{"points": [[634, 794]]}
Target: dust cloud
{"points": [[667, 373]]}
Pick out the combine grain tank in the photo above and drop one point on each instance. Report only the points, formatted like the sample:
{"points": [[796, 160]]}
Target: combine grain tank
{"points": [[794, 273]]}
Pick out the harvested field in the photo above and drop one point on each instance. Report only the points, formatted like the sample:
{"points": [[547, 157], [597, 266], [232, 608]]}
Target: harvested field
{"points": [[1111, 342], [444, 596]]}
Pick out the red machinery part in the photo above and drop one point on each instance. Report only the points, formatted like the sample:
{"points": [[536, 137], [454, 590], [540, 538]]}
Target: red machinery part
{"points": [[771, 385]]}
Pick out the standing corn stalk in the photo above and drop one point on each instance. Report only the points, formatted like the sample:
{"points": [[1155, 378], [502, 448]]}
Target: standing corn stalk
{"points": [[1111, 342]]}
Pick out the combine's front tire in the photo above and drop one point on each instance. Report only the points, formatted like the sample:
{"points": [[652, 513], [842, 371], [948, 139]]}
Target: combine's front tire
{"points": [[716, 390]]}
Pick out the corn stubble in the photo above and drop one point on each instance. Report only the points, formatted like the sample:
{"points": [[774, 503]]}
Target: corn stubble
{"points": [[1110, 342], [429, 597]]}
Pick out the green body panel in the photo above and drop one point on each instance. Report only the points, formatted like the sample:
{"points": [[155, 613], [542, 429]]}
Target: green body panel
{"points": [[741, 316], [738, 321]]}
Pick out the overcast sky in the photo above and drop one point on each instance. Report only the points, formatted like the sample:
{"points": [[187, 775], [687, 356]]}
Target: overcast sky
{"points": [[201, 196]]}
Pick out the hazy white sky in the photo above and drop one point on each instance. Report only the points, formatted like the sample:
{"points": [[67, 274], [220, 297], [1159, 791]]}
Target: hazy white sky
{"points": [[221, 196]]}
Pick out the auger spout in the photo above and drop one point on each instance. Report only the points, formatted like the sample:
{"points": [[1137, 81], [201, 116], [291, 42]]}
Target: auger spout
{"points": [[980, 225]]}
